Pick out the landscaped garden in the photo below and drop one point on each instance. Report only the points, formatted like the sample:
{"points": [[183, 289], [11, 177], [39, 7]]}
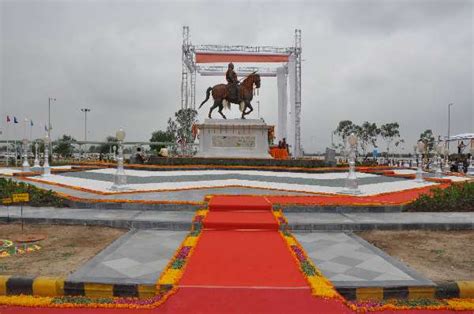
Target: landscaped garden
{"points": [[38, 197]]}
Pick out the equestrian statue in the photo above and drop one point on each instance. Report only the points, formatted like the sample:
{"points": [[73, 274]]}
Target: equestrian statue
{"points": [[233, 93]]}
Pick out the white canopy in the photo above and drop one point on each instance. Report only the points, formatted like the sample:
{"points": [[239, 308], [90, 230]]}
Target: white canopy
{"points": [[462, 136]]}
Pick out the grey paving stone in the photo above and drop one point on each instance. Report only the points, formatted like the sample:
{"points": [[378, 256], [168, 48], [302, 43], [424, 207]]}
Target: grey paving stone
{"points": [[352, 262], [190, 177], [137, 257]]}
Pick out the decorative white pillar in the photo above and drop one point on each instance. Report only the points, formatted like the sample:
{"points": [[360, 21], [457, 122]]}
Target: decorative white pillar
{"points": [[120, 178], [36, 164], [282, 84], [439, 162], [26, 164], [291, 139], [352, 186], [470, 168], [46, 168], [419, 170]]}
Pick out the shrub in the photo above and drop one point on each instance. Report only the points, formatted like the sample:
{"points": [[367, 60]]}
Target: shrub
{"points": [[38, 197], [457, 197]]}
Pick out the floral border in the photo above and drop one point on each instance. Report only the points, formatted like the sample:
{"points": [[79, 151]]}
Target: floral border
{"points": [[320, 285]]}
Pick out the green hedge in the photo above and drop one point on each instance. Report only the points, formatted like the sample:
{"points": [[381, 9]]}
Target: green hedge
{"points": [[38, 197], [456, 198]]}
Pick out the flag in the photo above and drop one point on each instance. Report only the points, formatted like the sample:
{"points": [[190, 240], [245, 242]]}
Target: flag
{"points": [[8, 119], [15, 120], [45, 128], [31, 122]]}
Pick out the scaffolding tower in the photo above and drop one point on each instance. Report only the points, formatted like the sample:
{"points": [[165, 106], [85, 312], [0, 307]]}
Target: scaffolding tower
{"points": [[196, 59]]}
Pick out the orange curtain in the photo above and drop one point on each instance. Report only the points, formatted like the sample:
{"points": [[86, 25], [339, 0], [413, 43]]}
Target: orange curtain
{"points": [[279, 153], [229, 57]]}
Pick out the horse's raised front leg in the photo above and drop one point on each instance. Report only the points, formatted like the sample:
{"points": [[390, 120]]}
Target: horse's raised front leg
{"points": [[247, 105]]}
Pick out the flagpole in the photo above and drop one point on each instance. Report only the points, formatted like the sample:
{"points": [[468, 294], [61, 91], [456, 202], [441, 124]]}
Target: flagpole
{"points": [[14, 141], [31, 129], [8, 144]]}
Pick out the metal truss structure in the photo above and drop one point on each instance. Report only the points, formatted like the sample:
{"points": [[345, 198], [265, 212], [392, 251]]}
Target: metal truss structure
{"points": [[191, 66]]}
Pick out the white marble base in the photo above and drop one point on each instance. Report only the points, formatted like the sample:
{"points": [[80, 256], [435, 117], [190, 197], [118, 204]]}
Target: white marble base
{"points": [[233, 138]]}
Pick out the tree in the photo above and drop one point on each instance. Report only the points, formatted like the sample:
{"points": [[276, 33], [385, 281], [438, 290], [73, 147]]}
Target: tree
{"points": [[429, 140], [345, 128], [64, 146], [367, 134], [160, 136], [106, 148], [181, 129], [185, 118], [389, 133]]}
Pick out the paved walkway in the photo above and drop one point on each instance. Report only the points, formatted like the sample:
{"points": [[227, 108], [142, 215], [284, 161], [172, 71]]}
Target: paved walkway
{"points": [[349, 261], [137, 257], [366, 221], [196, 195], [299, 221]]}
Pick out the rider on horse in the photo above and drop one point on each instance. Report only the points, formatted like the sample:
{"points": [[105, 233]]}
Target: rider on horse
{"points": [[232, 81]]}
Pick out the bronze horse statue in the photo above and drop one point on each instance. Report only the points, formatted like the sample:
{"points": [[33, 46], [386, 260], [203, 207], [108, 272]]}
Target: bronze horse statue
{"points": [[220, 94]]}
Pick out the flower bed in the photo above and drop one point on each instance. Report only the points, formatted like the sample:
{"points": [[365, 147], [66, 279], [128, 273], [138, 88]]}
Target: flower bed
{"points": [[458, 197], [38, 197]]}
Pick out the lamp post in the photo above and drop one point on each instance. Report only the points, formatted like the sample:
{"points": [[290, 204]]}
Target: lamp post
{"points": [[50, 99], [449, 122], [470, 168], [26, 164], [419, 171], [36, 165], [447, 166], [85, 110], [46, 168], [120, 178], [352, 187], [439, 151]]}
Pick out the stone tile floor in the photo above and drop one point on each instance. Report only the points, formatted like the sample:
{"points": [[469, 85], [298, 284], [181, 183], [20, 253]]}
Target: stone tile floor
{"points": [[349, 261], [137, 257]]}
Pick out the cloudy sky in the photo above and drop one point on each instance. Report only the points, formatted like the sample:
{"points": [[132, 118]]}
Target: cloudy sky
{"points": [[379, 61]]}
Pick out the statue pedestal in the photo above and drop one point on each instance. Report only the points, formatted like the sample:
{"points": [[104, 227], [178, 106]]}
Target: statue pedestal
{"points": [[233, 138]]}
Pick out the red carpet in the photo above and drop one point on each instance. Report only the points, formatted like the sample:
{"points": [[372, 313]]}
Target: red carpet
{"points": [[220, 203], [240, 258], [247, 219], [245, 301]]}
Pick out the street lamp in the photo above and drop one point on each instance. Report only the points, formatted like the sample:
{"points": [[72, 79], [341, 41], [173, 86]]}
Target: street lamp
{"points": [[85, 110], [439, 152], [26, 164], [46, 168], [352, 187], [50, 99], [449, 122], [120, 178], [419, 172]]}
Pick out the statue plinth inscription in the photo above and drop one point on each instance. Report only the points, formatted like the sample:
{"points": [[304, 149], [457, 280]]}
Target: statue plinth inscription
{"points": [[233, 138]]}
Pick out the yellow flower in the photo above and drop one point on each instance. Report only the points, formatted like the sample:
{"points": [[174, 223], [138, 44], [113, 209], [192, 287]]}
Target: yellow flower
{"points": [[25, 300], [170, 277], [190, 241], [461, 304], [321, 288], [202, 212], [291, 241]]}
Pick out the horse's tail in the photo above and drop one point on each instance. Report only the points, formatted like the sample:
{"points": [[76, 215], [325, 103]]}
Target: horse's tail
{"points": [[208, 94]]}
